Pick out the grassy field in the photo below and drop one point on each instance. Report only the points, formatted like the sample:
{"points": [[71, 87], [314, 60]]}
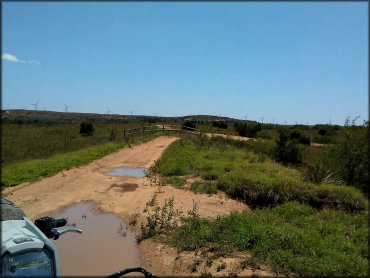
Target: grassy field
{"points": [[296, 227], [39, 156], [290, 238], [33, 141], [248, 176]]}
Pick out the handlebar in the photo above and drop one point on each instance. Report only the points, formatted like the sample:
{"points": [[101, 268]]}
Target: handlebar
{"points": [[60, 222], [48, 226], [132, 269]]}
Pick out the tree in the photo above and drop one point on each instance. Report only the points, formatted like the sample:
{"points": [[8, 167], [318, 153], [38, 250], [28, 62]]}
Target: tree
{"points": [[86, 129], [247, 130], [352, 155], [285, 151]]}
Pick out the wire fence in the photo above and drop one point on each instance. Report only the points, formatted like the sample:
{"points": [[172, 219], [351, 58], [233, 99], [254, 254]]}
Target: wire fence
{"points": [[159, 128]]}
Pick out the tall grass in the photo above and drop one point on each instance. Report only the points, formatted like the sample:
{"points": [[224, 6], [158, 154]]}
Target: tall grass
{"points": [[252, 177], [35, 141], [32, 170]]}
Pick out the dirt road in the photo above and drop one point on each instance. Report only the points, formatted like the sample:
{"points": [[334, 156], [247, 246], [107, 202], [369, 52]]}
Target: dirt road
{"points": [[123, 196]]}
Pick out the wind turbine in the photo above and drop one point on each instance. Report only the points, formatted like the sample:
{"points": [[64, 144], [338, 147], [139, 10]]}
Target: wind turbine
{"points": [[66, 107], [35, 105]]}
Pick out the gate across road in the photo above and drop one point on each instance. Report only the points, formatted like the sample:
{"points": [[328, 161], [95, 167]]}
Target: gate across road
{"points": [[159, 128]]}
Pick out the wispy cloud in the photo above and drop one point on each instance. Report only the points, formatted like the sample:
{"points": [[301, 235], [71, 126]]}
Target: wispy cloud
{"points": [[12, 58]]}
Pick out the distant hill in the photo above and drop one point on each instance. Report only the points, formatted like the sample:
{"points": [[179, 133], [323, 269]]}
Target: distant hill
{"points": [[22, 116]]}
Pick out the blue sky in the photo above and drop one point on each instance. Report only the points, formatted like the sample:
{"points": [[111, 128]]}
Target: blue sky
{"points": [[283, 61]]}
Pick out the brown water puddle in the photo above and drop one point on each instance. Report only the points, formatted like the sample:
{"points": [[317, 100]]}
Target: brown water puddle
{"points": [[104, 247]]}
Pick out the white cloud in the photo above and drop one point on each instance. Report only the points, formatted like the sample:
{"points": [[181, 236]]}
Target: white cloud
{"points": [[34, 62], [12, 58]]}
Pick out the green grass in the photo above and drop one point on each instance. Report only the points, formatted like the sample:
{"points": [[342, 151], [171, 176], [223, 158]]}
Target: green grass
{"points": [[206, 187], [251, 177], [36, 169], [290, 238], [34, 141], [175, 181]]}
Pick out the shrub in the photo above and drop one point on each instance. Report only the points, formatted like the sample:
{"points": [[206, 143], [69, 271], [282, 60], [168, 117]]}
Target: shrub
{"points": [[220, 124], [86, 129], [263, 134], [247, 130], [189, 125], [352, 156], [296, 134], [321, 173], [324, 139], [299, 136], [322, 131], [286, 152], [259, 189]]}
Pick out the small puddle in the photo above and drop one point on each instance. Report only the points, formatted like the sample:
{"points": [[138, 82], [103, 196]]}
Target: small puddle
{"points": [[104, 247], [130, 172]]}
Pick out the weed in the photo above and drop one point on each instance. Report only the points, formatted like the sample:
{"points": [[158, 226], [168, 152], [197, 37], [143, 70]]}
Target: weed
{"points": [[321, 174], [205, 274], [221, 267], [160, 220], [178, 182], [209, 262], [251, 262], [133, 219], [194, 266]]}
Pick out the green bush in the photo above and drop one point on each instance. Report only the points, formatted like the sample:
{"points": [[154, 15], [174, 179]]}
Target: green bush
{"points": [[247, 130], [324, 139], [286, 152], [263, 134], [321, 173], [220, 124], [322, 131], [259, 189], [352, 156], [189, 125], [86, 129], [299, 136]]}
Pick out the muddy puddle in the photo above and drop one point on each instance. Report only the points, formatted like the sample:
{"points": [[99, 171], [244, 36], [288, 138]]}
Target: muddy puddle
{"points": [[104, 247], [128, 172]]}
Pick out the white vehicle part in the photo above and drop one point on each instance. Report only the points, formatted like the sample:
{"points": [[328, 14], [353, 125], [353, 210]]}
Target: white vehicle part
{"points": [[20, 236]]}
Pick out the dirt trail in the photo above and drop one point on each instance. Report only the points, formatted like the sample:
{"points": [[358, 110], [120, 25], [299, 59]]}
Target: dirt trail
{"points": [[123, 196]]}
